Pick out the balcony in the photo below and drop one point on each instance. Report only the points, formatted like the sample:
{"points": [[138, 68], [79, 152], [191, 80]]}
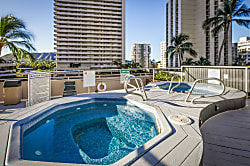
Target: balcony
{"points": [[86, 19], [73, 2], [88, 57], [86, 15], [88, 53], [89, 40], [73, 22]]}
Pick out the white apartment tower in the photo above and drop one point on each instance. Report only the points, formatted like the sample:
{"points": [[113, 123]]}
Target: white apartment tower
{"points": [[141, 54], [187, 16], [244, 48], [89, 34], [163, 55]]}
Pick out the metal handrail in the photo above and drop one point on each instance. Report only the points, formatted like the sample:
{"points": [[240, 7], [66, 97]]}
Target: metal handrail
{"points": [[198, 80], [138, 88], [170, 89]]}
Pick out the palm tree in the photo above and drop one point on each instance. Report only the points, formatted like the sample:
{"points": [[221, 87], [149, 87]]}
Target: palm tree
{"points": [[188, 61], [180, 46], [232, 12], [14, 36], [203, 62]]}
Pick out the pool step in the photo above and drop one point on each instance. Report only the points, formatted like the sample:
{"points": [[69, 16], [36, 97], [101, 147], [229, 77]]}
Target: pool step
{"points": [[69, 93], [69, 88]]}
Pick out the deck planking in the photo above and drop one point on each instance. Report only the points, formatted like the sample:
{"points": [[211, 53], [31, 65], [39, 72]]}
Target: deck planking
{"points": [[184, 147], [226, 138]]}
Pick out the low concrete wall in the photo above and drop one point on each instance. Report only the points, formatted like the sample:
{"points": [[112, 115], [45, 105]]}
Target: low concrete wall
{"points": [[221, 106], [57, 86]]}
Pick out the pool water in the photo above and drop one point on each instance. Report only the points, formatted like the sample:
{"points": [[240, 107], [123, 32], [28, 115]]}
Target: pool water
{"points": [[100, 132], [184, 88]]}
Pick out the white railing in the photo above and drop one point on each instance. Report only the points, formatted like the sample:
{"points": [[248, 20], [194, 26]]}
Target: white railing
{"points": [[170, 89], [203, 96], [140, 87], [237, 77]]}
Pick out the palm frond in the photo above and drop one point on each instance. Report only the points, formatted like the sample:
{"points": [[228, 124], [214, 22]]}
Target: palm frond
{"points": [[16, 37], [243, 22], [186, 45], [24, 35], [216, 30], [24, 44], [183, 37], [220, 12], [11, 23], [212, 22], [243, 11], [192, 52], [170, 49]]}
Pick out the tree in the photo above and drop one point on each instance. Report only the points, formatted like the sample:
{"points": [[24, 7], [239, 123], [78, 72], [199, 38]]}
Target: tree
{"points": [[15, 36], [180, 46], [203, 62], [233, 11], [118, 64], [188, 61]]}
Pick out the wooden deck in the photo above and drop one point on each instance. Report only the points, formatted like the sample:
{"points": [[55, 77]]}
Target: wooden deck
{"points": [[226, 138]]}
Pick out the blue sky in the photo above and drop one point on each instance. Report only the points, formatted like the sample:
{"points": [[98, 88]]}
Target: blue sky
{"points": [[145, 22]]}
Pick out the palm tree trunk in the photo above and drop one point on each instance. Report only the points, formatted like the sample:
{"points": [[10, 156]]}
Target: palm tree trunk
{"points": [[222, 44], [179, 59], [221, 48]]}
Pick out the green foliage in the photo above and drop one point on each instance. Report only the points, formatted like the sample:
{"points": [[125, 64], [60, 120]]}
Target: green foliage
{"points": [[166, 76], [126, 65], [189, 61], [15, 36], [180, 46], [203, 62], [21, 70], [38, 65]]}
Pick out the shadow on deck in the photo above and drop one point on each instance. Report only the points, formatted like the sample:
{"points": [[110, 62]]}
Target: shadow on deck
{"points": [[6, 110]]}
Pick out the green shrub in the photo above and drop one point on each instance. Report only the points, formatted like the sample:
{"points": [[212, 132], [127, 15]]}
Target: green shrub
{"points": [[166, 76]]}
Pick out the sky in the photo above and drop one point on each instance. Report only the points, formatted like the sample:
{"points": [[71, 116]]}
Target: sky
{"points": [[145, 22]]}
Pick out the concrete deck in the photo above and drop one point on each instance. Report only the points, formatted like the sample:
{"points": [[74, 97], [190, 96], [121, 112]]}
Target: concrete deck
{"points": [[183, 147]]}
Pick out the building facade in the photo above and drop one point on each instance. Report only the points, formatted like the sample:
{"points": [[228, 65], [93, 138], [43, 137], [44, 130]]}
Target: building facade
{"points": [[244, 49], [234, 52], [141, 54], [89, 34], [187, 16], [163, 55]]}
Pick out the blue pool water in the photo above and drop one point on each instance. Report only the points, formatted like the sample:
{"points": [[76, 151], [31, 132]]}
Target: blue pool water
{"points": [[184, 87], [100, 132]]}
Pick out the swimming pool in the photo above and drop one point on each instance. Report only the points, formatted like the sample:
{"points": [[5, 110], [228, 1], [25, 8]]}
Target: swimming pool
{"points": [[94, 131], [185, 87]]}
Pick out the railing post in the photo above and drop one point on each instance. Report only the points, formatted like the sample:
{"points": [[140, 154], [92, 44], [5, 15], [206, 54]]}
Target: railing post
{"points": [[153, 75], [181, 72], [246, 81]]}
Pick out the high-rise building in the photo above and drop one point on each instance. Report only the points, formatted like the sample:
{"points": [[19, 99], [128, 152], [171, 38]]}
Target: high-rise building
{"points": [[163, 55], [141, 54], [244, 49], [234, 51], [187, 16], [89, 34]]}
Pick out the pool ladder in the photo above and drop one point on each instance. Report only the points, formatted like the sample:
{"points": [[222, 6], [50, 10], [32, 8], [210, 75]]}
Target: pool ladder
{"points": [[203, 96], [139, 84], [170, 89]]}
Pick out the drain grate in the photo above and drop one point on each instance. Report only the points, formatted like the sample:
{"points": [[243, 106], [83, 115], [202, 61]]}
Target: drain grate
{"points": [[179, 120]]}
